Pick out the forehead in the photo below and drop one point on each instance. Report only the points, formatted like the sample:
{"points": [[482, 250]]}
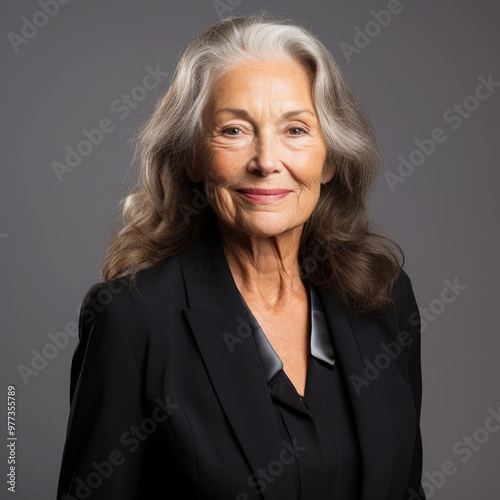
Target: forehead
{"points": [[277, 81]]}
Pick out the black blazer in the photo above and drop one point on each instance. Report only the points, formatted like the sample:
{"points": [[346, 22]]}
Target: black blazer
{"points": [[169, 398]]}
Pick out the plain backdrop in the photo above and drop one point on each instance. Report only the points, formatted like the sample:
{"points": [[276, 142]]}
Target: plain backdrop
{"points": [[70, 71]]}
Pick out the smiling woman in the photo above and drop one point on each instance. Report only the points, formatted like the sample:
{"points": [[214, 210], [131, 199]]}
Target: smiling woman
{"points": [[263, 143], [248, 321]]}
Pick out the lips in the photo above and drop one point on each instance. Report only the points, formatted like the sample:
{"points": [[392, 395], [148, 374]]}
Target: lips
{"points": [[264, 195]]}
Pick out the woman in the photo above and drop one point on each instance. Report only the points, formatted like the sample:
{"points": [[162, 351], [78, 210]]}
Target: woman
{"points": [[252, 338]]}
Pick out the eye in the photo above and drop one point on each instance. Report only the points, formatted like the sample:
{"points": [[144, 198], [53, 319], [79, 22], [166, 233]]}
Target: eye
{"points": [[231, 131], [296, 131]]}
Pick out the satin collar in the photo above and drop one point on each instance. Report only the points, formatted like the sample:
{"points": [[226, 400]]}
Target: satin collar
{"points": [[321, 345]]}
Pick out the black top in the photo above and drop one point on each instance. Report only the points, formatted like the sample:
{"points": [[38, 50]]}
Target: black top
{"points": [[169, 395], [318, 429]]}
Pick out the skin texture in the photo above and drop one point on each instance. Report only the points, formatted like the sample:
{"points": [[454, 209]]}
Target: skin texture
{"points": [[261, 130]]}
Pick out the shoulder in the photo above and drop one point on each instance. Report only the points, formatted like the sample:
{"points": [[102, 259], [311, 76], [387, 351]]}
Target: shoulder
{"points": [[402, 287], [140, 310], [403, 325], [404, 298], [406, 322], [116, 317], [155, 284]]}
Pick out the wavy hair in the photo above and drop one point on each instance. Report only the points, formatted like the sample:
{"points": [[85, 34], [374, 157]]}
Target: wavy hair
{"points": [[165, 212]]}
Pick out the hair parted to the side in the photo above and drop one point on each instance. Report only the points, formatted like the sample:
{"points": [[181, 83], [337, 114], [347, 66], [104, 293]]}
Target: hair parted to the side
{"points": [[339, 249]]}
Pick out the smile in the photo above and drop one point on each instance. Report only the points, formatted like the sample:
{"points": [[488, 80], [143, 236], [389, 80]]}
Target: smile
{"points": [[264, 195]]}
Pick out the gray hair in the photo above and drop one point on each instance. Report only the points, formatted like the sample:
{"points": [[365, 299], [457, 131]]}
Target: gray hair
{"points": [[159, 216]]}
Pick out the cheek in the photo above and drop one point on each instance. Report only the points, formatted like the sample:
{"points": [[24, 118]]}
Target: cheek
{"points": [[308, 169], [223, 165], [220, 168]]}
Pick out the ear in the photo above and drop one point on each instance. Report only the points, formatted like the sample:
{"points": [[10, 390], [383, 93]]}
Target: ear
{"points": [[328, 173]]}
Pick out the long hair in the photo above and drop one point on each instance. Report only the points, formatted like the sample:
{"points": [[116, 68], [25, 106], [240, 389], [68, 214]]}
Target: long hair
{"points": [[164, 213]]}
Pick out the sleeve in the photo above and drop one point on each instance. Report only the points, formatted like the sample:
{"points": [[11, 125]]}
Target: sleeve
{"points": [[103, 451], [414, 489]]}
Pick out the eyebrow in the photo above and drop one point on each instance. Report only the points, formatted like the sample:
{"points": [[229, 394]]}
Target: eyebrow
{"points": [[245, 114]]}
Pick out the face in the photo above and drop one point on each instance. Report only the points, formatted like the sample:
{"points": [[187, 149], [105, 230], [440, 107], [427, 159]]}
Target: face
{"points": [[262, 154]]}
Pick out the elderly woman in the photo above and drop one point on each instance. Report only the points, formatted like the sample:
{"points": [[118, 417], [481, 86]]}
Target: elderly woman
{"points": [[252, 337]]}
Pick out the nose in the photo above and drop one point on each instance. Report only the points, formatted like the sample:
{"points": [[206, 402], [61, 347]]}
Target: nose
{"points": [[266, 157]]}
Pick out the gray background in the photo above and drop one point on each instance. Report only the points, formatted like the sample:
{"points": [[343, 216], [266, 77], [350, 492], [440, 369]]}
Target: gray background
{"points": [[444, 215]]}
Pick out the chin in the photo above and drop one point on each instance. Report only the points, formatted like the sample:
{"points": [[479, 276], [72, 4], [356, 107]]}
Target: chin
{"points": [[267, 225]]}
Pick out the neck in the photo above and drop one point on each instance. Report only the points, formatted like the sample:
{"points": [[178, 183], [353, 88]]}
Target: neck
{"points": [[265, 269]]}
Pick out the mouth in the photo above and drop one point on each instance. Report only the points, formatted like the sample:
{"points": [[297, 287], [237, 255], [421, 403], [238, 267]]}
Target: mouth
{"points": [[264, 195]]}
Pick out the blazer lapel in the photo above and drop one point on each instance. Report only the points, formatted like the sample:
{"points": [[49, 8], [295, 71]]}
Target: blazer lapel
{"points": [[220, 326], [355, 339]]}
